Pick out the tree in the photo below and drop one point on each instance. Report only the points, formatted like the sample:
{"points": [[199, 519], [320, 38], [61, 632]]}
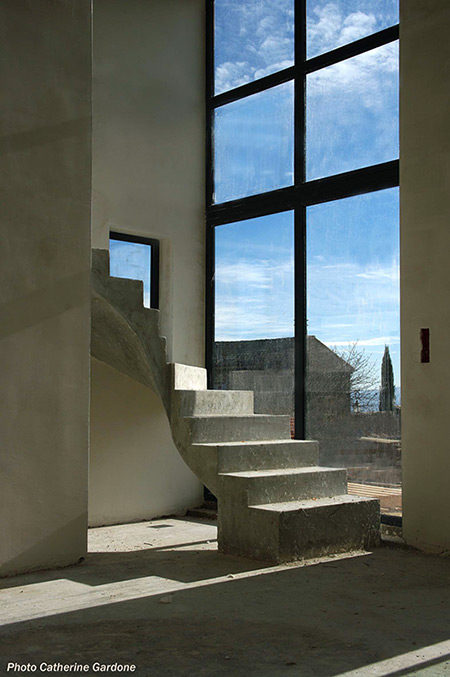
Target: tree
{"points": [[387, 390], [364, 383]]}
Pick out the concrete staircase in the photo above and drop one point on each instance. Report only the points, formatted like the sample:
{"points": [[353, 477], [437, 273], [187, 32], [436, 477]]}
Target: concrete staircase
{"points": [[274, 502]]}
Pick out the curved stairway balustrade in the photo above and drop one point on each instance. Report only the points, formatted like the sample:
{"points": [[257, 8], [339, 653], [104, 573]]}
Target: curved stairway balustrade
{"points": [[274, 502]]}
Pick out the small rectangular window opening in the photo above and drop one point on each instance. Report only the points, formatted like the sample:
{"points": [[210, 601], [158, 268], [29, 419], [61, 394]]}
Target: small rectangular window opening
{"points": [[136, 258]]}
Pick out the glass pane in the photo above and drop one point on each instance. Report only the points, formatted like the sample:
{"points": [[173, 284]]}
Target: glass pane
{"points": [[333, 24], [254, 315], [131, 260], [352, 113], [252, 39], [254, 144], [353, 398]]}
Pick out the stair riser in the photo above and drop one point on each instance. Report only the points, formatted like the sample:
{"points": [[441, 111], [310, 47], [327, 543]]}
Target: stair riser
{"points": [[214, 403], [317, 532], [126, 295], [244, 458], [147, 320], [289, 487], [238, 429], [314, 532], [100, 263], [186, 377]]}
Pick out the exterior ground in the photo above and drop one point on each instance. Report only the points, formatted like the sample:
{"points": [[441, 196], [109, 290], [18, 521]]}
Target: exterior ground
{"points": [[158, 595]]}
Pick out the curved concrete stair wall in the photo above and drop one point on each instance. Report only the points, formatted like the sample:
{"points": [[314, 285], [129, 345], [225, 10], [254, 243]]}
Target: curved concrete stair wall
{"points": [[275, 503]]}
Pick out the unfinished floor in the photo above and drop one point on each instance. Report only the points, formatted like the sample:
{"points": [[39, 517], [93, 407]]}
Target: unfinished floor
{"points": [[159, 596]]}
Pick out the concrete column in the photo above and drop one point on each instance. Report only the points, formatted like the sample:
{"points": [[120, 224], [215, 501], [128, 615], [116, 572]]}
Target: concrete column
{"points": [[45, 170], [425, 277]]}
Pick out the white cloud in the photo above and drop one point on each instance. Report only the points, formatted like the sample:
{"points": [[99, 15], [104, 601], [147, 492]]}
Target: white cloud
{"points": [[373, 342], [253, 39], [249, 319], [381, 274], [361, 300], [272, 68], [352, 113], [363, 76], [229, 75], [328, 27], [356, 26], [323, 28], [254, 299], [257, 273]]}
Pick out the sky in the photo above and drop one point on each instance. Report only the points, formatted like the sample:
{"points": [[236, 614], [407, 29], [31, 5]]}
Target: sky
{"points": [[352, 114], [131, 260], [254, 278], [256, 37]]}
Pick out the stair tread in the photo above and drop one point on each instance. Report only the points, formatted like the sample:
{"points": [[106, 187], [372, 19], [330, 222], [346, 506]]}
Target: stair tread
{"points": [[240, 416], [296, 506], [184, 390], [251, 443], [282, 471]]}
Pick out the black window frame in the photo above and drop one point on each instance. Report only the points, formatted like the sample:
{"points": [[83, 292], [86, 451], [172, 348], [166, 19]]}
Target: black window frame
{"points": [[154, 261], [302, 193]]}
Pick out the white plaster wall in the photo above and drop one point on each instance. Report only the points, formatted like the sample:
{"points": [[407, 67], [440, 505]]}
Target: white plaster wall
{"points": [[425, 276], [44, 282], [148, 148], [148, 179], [135, 472]]}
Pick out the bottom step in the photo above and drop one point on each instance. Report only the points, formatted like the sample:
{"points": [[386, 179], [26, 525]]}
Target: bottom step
{"points": [[203, 513], [297, 530]]}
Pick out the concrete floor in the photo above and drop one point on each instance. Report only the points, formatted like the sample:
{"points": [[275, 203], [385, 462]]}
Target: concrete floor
{"points": [[159, 596]]}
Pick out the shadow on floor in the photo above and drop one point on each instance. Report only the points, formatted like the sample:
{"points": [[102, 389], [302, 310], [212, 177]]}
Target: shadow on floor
{"points": [[324, 619]]}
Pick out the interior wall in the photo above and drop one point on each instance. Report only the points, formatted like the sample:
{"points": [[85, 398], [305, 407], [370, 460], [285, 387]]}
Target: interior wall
{"points": [[425, 279], [148, 180], [44, 281], [135, 472], [148, 148]]}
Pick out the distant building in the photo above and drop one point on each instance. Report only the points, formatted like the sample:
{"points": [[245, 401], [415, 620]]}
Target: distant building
{"points": [[266, 366]]}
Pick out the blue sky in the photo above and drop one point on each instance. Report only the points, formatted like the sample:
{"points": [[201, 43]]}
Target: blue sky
{"points": [[353, 274], [133, 261], [254, 278], [256, 37], [352, 106], [352, 112]]}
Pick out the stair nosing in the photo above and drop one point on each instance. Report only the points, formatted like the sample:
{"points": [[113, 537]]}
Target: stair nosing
{"points": [[256, 442], [281, 472], [239, 416], [307, 503]]}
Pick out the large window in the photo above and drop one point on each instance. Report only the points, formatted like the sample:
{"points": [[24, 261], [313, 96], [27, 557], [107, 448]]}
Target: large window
{"points": [[302, 218]]}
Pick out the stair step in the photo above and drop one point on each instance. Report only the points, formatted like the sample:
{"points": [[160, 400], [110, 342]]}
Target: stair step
{"points": [[100, 262], [307, 504], [239, 428], [146, 320], [287, 509], [329, 525], [289, 484], [187, 377], [295, 530], [214, 402], [203, 513], [127, 294], [264, 455]]}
